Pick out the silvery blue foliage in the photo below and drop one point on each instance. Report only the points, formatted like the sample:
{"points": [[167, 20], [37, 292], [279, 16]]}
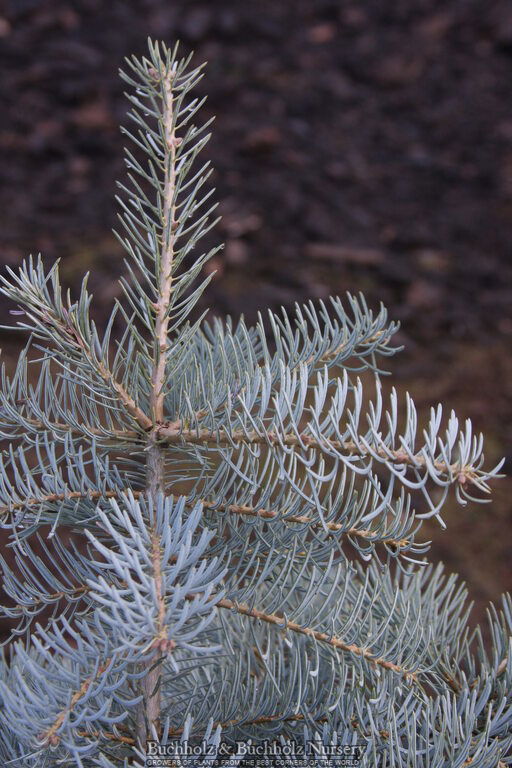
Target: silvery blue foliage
{"points": [[191, 581], [215, 527]]}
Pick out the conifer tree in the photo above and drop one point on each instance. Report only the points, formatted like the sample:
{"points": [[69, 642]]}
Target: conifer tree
{"points": [[246, 563]]}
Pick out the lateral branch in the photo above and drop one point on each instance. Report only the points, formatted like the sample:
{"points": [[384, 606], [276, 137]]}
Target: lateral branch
{"points": [[235, 509], [52, 737], [176, 433], [322, 637]]}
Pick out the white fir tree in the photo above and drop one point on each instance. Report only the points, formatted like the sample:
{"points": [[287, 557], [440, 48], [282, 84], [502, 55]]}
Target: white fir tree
{"points": [[244, 563]]}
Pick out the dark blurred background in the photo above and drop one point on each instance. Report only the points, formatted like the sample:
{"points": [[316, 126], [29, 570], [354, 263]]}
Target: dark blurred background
{"points": [[358, 146]]}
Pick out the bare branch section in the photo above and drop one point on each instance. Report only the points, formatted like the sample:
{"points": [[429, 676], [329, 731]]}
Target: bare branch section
{"points": [[148, 716]]}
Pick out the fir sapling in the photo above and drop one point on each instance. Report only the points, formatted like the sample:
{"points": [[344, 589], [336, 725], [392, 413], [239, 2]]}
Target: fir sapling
{"points": [[245, 562]]}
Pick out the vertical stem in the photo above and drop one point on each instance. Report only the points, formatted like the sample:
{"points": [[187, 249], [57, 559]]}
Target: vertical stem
{"points": [[166, 258], [149, 711]]}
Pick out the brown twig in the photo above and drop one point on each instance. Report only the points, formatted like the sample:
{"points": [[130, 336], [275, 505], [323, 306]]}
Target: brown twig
{"points": [[235, 509], [322, 637], [175, 433], [51, 737]]}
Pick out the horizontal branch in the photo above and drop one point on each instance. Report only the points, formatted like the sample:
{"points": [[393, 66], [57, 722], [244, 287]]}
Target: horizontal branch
{"points": [[236, 509], [51, 498], [322, 637], [222, 724], [51, 736], [261, 720], [175, 433], [80, 429], [272, 514], [83, 589]]}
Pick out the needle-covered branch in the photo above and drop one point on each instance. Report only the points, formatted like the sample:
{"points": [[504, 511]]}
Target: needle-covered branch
{"points": [[74, 344], [165, 210], [320, 637], [233, 612], [336, 431]]}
